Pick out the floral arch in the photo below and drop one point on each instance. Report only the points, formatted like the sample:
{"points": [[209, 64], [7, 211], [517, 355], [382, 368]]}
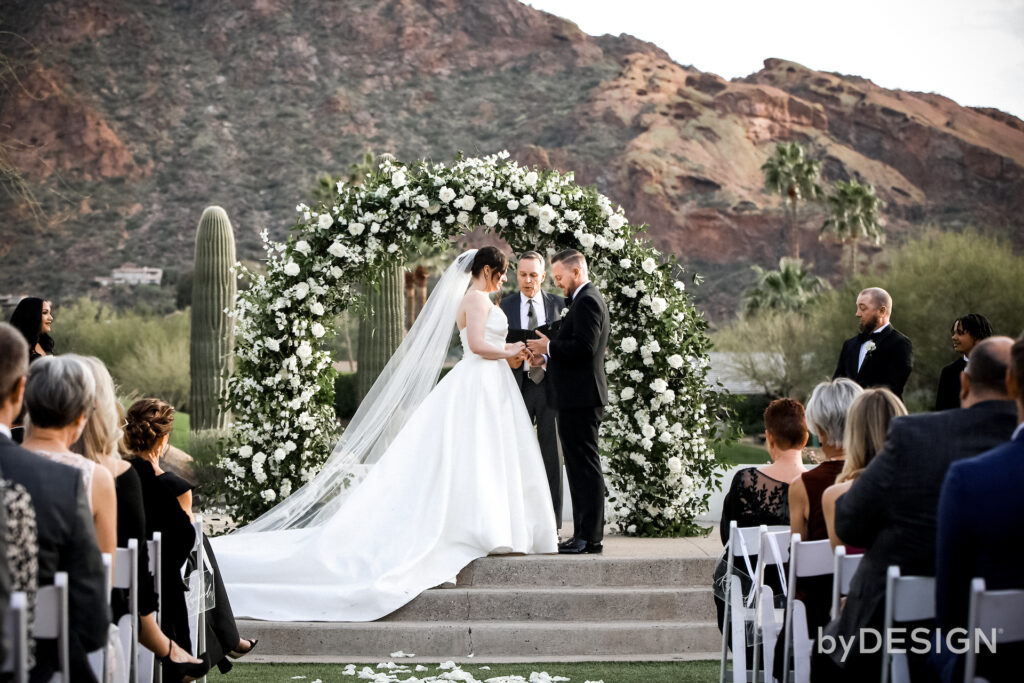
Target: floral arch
{"points": [[660, 426]]}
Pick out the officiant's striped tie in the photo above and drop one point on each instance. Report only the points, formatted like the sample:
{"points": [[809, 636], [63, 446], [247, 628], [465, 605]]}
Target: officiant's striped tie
{"points": [[531, 315]]}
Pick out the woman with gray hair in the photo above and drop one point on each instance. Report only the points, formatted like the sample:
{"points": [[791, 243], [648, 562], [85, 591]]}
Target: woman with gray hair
{"points": [[59, 396], [826, 418]]}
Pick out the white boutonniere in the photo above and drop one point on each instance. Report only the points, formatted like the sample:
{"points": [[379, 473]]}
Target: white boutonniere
{"points": [[563, 313], [870, 346]]}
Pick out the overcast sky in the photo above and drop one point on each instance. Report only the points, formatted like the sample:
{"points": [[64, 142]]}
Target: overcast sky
{"points": [[969, 50]]}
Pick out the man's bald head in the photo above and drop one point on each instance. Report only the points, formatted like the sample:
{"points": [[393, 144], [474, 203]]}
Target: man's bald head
{"points": [[984, 378]]}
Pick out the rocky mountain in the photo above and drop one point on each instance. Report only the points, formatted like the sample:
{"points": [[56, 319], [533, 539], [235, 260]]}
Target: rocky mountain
{"points": [[127, 117]]}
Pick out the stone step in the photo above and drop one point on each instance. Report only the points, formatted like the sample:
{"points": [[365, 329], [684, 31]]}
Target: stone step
{"points": [[586, 570], [482, 639], [560, 604]]}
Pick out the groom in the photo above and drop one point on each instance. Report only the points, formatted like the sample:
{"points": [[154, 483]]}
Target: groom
{"points": [[575, 369], [530, 309]]}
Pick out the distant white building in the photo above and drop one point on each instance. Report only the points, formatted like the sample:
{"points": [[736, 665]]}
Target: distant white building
{"points": [[11, 299], [131, 275]]}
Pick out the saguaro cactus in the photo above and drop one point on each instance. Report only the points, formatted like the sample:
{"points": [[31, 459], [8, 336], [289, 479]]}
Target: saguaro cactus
{"points": [[213, 336], [381, 330]]}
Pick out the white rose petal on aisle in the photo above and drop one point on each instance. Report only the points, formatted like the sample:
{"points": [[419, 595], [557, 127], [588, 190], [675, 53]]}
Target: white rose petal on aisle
{"points": [[339, 247]]}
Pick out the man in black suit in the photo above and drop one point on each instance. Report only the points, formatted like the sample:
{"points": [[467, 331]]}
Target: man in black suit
{"points": [[67, 537], [529, 309], [891, 507], [575, 368], [879, 356]]}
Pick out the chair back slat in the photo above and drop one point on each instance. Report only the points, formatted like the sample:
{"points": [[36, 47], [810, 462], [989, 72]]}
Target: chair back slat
{"points": [[16, 628], [812, 558], [907, 598], [845, 568], [51, 621]]}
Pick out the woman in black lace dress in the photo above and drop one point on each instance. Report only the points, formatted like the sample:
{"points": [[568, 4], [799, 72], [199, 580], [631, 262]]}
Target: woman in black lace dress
{"points": [[760, 495]]}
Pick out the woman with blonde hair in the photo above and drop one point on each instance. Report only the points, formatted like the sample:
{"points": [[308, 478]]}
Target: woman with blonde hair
{"points": [[866, 426], [99, 443]]}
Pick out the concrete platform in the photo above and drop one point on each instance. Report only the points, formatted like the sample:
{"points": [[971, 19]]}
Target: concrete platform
{"points": [[643, 599]]}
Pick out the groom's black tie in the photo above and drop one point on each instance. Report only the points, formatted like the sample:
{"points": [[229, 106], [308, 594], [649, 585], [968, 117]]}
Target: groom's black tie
{"points": [[866, 336], [531, 315]]}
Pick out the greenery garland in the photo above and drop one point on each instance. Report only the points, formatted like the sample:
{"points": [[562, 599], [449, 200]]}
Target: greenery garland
{"points": [[660, 427]]}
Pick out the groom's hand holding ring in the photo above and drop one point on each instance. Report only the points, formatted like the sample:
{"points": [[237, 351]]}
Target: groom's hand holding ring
{"points": [[538, 347]]}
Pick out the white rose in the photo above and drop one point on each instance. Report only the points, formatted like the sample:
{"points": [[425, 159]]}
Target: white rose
{"points": [[336, 272], [398, 179], [618, 243], [491, 219], [336, 250], [433, 208], [512, 205], [468, 202], [392, 248], [611, 366], [446, 194], [586, 240], [273, 345], [627, 393], [546, 214], [680, 285], [654, 346], [636, 375], [270, 495], [626, 263], [318, 331], [526, 200], [658, 305], [659, 385], [245, 452], [629, 344], [631, 529], [531, 179], [301, 290], [648, 431], [649, 265], [463, 218], [325, 221], [304, 352], [668, 396], [675, 360], [302, 246], [629, 291], [356, 228], [616, 221], [316, 308], [675, 465], [555, 199]]}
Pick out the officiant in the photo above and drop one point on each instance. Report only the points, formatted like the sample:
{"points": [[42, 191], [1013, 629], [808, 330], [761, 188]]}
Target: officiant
{"points": [[530, 309]]}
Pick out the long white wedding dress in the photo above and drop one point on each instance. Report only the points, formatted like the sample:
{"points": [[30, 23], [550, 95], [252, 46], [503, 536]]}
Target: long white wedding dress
{"points": [[463, 479]]}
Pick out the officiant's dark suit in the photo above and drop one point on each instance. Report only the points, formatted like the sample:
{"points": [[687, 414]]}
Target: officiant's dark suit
{"points": [[887, 365], [576, 372], [537, 394], [891, 508]]}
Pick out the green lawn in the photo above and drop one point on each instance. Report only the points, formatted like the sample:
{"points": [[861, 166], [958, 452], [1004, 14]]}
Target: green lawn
{"points": [[743, 454], [608, 672], [179, 435]]}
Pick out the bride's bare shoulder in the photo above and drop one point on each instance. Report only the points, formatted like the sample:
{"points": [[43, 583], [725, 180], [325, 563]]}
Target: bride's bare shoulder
{"points": [[476, 299]]}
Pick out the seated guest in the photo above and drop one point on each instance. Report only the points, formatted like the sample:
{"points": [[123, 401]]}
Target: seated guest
{"points": [[981, 534], [99, 444], [891, 507], [866, 426], [59, 395], [759, 495], [66, 534], [34, 320], [826, 417], [966, 331], [167, 499]]}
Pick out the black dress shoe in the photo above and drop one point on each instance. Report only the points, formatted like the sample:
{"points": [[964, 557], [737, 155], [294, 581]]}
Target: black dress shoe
{"points": [[568, 542], [577, 546]]}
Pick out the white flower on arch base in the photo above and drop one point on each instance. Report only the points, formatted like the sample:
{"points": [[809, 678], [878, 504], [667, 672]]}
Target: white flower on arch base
{"points": [[659, 428]]}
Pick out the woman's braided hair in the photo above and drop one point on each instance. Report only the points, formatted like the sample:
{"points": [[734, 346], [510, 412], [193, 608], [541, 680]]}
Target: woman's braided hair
{"points": [[147, 421]]}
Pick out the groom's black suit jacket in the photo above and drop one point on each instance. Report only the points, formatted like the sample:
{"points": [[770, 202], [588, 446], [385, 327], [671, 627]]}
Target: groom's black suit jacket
{"points": [[511, 305], [576, 370], [888, 365]]}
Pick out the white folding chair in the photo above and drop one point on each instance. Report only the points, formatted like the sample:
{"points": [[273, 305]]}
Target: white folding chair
{"points": [[51, 622], [842, 574], [198, 624], [801, 646], [806, 559], [16, 626], [773, 551], [149, 671], [741, 540], [769, 628], [999, 613], [126, 577], [907, 598], [99, 660]]}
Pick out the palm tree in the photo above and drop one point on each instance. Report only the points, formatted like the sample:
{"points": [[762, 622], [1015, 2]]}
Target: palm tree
{"points": [[854, 217], [790, 173], [790, 288]]}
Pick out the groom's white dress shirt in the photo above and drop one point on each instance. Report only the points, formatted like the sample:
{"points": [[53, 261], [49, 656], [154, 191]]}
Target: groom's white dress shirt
{"points": [[864, 347]]}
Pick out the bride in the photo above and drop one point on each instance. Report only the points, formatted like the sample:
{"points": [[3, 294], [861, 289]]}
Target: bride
{"points": [[448, 476]]}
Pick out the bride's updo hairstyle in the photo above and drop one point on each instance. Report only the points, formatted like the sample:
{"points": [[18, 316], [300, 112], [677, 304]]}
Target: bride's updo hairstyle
{"points": [[147, 421], [493, 257]]}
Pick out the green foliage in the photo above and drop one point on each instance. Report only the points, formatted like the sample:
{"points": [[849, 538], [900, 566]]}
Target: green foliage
{"points": [[791, 174], [932, 281], [790, 288], [146, 355], [213, 335], [854, 217]]}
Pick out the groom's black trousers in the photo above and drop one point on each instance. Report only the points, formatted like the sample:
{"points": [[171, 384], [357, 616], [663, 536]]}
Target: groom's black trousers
{"points": [[577, 429]]}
